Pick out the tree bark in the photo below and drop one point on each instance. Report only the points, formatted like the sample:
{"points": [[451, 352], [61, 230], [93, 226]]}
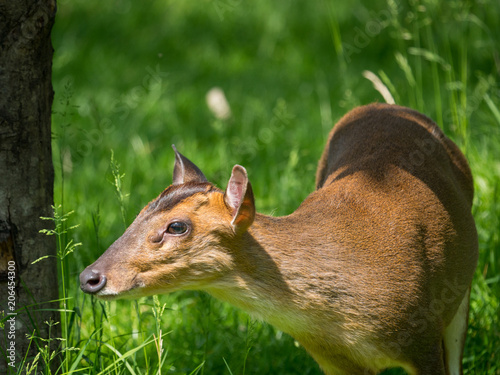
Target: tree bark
{"points": [[26, 179]]}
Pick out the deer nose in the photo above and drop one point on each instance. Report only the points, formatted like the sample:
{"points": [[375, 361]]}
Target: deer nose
{"points": [[92, 281]]}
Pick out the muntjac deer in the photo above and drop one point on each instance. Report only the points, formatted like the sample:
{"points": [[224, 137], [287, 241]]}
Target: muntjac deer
{"points": [[373, 270]]}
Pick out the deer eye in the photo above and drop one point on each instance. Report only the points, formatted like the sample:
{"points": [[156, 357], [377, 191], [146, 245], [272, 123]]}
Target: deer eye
{"points": [[177, 227]]}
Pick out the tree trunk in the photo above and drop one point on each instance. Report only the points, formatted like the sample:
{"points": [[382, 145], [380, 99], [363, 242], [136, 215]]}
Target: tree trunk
{"points": [[26, 179]]}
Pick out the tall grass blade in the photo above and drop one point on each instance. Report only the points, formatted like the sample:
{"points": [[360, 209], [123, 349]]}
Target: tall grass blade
{"points": [[493, 108], [79, 356]]}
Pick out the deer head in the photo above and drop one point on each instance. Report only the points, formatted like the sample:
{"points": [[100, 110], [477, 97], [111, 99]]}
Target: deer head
{"points": [[184, 239]]}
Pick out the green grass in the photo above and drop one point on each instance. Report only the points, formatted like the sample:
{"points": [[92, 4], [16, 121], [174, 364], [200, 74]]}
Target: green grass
{"points": [[130, 79]]}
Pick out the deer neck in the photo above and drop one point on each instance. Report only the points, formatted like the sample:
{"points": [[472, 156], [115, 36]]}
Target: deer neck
{"points": [[269, 279]]}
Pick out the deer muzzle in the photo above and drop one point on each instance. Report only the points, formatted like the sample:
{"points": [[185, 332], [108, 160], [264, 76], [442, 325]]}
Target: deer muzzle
{"points": [[92, 281]]}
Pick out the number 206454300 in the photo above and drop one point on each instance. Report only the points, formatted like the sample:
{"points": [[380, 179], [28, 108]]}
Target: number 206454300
{"points": [[11, 286]]}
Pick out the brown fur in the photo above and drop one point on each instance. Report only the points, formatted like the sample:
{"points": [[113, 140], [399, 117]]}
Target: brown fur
{"points": [[366, 274]]}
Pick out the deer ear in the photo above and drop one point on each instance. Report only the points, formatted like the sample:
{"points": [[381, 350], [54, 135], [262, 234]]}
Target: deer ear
{"points": [[239, 199], [185, 170]]}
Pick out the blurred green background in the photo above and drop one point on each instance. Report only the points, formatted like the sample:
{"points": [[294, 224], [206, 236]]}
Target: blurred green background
{"points": [[132, 77]]}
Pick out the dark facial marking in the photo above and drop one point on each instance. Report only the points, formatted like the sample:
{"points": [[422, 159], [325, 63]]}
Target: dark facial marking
{"points": [[175, 194]]}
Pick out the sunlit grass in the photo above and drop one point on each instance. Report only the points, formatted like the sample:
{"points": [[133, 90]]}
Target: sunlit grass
{"points": [[133, 78]]}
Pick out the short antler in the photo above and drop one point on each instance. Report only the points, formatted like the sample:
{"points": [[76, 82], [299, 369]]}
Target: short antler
{"points": [[185, 170]]}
